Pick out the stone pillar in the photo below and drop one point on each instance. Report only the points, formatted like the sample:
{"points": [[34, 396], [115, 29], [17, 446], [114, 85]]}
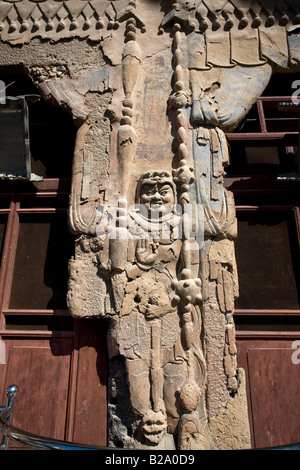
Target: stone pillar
{"points": [[156, 257]]}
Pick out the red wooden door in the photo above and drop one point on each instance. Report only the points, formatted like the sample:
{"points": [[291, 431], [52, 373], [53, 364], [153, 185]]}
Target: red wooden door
{"points": [[58, 364], [41, 370], [263, 162], [273, 385]]}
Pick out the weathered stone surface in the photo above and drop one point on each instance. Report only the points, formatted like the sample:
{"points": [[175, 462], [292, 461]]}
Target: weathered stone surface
{"points": [[229, 28], [228, 430], [167, 155]]}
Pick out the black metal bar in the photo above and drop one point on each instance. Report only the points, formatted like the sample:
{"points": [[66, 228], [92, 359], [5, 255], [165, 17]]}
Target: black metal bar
{"points": [[32, 441], [11, 392]]}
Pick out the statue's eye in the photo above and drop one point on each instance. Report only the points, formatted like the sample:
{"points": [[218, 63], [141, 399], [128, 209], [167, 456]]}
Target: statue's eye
{"points": [[164, 190], [148, 190]]}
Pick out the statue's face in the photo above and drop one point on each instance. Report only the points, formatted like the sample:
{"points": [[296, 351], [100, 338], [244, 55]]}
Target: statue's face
{"points": [[157, 197]]}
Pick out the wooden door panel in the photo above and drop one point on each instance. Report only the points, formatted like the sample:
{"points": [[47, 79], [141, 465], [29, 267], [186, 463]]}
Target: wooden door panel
{"points": [[275, 391], [41, 369], [267, 281], [90, 421]]}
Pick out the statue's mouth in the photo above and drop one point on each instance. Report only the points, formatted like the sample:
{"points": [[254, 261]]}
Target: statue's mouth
{"points": [[153, 426]]}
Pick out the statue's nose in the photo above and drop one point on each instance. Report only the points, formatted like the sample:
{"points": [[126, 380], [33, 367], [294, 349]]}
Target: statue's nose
{"points": [[156, 196]]}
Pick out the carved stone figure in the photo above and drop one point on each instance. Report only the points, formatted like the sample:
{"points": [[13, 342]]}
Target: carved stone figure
{"points": [[159, 262], [165, 366]]}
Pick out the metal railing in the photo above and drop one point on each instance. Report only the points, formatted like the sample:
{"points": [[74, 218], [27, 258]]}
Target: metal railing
{"points": [[34, 441], [27, 439], [8, 412]]}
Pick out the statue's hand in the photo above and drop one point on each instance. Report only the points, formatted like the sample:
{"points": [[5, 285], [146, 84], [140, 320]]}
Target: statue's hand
{"points": [[158, 306], [154, 311], [146, 251]]}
